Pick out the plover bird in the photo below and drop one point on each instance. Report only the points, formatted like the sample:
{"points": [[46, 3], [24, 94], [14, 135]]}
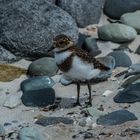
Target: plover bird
{"points": [[76, 63]]}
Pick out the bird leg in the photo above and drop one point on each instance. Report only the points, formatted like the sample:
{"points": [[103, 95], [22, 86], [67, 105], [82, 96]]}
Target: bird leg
{"points": [[78, 94], [89, 89]]}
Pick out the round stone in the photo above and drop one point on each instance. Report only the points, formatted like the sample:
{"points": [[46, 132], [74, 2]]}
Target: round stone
{"points": [[132, 19], [43, 66], [117, 33], [121, 59], [115, 8]]}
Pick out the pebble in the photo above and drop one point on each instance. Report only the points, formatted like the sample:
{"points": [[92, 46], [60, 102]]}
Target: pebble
{"points": [[2, 131], [132, 19], [36, 83], [94, 112], [116, 118], [45, 66], [90, 45], [13, 100], [121, 59], [135, 129], [130, 94], [138, 50], [117, 33], [39, 98], [88, 135], [116, 8], [107, 93], [30, 133], [65, 80], [45, 121], [132, 79]]}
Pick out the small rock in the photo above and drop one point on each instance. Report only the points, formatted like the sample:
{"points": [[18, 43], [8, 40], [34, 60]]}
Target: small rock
{"points": [[121, 59], [132, 19], [135, 129], [116, 118], [65, 80], [107, 93], [133, 79], [43, 66], [41, 97], [45, 121], [138, 50], [2, 131], [117, 33], [36, 83], [82, 122], [130, 94], [30, 133], [88, 135], [94, 112], [134, 69], [81, 40], [90, 45], [108, 61], [13, 100], [115, 8]]}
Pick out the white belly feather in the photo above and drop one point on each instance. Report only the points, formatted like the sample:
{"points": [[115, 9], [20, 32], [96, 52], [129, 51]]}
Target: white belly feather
{"points": [[80, 70]]}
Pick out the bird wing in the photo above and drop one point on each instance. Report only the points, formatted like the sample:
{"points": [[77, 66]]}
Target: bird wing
{"points": [[87, 57]]}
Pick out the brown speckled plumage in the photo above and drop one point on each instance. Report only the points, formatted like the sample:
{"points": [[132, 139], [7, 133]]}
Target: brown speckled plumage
{"points": [[66, 65], [88, 58]]}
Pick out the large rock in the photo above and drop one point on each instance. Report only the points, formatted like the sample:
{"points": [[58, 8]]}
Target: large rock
{"points": [[115, 8], [117, 33], [132, 19], [28, 27], [52, 1], [85, 12], [43, 66]]}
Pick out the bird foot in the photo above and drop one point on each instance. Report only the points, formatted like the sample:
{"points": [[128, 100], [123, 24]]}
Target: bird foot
{"points": [[88, 104], [76, 104]]}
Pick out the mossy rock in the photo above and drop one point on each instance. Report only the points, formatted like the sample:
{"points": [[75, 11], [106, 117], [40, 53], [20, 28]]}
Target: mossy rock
{"points": [[9, 72]]}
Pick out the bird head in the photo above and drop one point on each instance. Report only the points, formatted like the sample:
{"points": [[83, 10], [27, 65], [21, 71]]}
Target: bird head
{"points": [[61, 42]]}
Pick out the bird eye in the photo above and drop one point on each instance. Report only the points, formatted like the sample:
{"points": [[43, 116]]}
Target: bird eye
{"points": [[61, 42]]}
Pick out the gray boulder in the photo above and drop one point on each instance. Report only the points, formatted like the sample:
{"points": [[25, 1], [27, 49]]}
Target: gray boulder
{"points": [[117, 33], [28, 27], [43, 66], [52, 1], [85, 12], [132, 19]]}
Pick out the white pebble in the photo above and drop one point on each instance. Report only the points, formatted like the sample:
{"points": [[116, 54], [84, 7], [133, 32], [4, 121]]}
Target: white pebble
{"points": [[107, 92]]}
